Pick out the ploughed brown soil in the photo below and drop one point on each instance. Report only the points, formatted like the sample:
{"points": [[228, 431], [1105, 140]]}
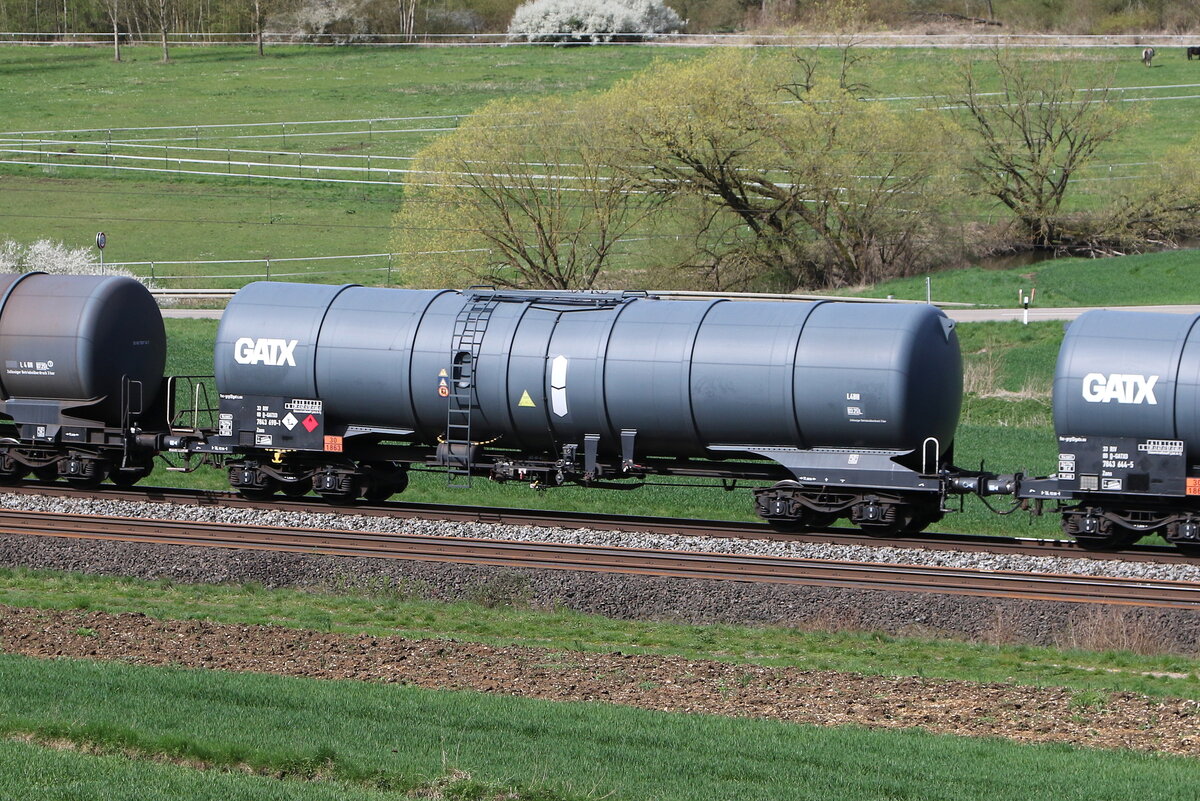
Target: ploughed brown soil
{"points": [[673, 684]]}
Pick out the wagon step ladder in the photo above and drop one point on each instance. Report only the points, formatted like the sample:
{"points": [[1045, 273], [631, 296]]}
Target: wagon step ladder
{"points": [[469, 328]]}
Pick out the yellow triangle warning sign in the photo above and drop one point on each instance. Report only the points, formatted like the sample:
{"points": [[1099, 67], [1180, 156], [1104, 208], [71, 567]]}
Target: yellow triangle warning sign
{"points": [[443, 373], [526, 400]]}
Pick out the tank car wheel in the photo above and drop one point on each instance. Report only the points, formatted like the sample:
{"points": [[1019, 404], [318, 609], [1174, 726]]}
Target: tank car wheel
{"points": [[1104, 536], [337, 498], [378, 493], [46, 473], [1120, 537], [100, 472], [385, 482], [264, 493], [12, 471], [893, 520], [813, 519], [129, 477], [296, 489], [923, 519], [887, 530]]}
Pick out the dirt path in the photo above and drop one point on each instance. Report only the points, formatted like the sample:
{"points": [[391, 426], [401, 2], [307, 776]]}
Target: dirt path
{"points": [[1025, 714]]}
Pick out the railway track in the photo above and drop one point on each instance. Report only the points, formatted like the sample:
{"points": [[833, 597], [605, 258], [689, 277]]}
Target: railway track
{"points": [[612, 522], [634, 561]]}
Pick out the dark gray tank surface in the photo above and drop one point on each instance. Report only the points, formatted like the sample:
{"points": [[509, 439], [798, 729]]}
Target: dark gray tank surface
{"points": [[1130, 374], [685, 375], [73, 337]]}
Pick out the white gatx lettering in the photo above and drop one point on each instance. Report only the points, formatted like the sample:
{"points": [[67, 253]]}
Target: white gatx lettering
{"points": [[276, 352], [1119, 387]]}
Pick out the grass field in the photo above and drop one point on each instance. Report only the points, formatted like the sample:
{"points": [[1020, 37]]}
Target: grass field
{"points": [[399, 738], [151, 217], [1149, 279]]}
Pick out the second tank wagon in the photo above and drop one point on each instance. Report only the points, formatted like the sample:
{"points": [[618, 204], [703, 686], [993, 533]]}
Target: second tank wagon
{"points": [[552, 387]]}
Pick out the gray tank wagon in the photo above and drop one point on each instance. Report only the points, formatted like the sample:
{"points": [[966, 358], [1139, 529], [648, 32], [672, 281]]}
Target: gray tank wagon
{"points": [[83, 360], [850, 409], [1127, 416]]}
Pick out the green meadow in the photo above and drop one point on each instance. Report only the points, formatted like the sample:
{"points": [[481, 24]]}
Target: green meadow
{"points": [[391, 101], [357, 740]]}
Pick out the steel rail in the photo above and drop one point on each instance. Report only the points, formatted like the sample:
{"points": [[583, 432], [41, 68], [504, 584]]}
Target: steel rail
{"points": [[613, 522], [633, 561]]}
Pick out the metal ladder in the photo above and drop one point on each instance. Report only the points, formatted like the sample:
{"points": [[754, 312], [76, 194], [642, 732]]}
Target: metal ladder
{"points": [[469, 328]]}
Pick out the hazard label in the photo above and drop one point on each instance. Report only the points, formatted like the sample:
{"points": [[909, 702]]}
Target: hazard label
{"points": [[526, 400], [333, 444], [309, 423]]}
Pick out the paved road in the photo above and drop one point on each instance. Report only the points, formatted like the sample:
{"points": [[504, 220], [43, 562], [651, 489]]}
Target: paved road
{"points": [[961, 315]]}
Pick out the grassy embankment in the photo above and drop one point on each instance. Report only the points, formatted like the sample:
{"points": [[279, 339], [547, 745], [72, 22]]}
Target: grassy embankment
{"points": [[396, 608], [151, 217]]}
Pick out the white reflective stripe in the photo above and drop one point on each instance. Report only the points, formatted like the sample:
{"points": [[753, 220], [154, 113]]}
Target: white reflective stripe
{"points": [[558, 372], [558, 385]]}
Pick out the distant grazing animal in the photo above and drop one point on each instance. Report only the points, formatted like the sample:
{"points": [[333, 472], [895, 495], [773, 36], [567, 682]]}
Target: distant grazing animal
{"points": [[1147, 56], [1193, 51]]}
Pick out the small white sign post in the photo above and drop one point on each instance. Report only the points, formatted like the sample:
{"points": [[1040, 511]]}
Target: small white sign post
{"points": [[1025, 300], [101, 241]]}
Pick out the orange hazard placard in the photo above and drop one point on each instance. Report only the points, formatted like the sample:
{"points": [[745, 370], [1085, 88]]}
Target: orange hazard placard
{"points": [[333, 444], [1193, 486]]}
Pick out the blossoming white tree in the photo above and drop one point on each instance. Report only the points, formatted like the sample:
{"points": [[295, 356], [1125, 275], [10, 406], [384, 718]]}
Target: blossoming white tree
{"points": [[591, 20]]}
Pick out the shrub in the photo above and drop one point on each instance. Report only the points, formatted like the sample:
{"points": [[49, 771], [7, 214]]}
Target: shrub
{"points": [[337, 21], [56, 258], [591, 20], [51, 257]]}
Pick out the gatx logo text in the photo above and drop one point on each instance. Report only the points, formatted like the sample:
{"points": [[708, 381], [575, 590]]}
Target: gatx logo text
{"points": [[276, 352], [1119, 387]]}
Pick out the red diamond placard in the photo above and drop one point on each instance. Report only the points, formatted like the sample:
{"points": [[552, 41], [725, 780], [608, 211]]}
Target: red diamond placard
{"points": [[309, 423]]}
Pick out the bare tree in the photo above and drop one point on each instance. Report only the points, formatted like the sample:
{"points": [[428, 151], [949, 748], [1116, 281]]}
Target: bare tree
{"points": [[845, 19], [1034, 134], [521, 191], [258, 25], [163, 24], [826, 192], [112, 8], [408, 16]]}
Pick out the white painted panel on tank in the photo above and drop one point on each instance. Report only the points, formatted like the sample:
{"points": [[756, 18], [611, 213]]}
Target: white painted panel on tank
{"points": [[558, 385]]}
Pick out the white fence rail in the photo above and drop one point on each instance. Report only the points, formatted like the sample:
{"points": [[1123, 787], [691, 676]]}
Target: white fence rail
{"points": [[966, 39]]}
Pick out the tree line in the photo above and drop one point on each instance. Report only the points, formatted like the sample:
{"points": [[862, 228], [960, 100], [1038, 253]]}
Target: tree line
{"points": [[756, 171], [493, 16]]}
